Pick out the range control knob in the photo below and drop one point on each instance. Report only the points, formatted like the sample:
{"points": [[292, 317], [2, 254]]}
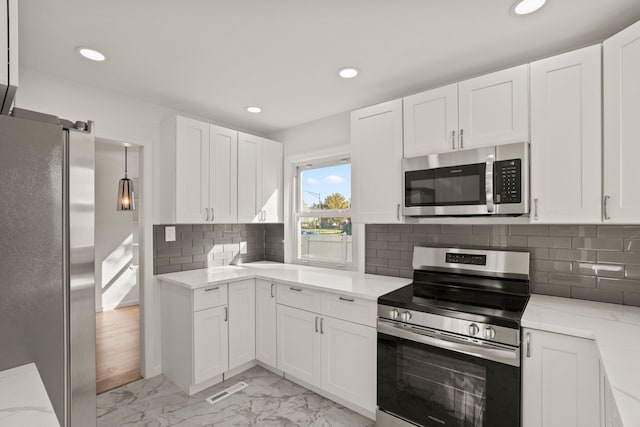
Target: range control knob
{"points": [[406, 316], [473, 329], [393, 314], [489, 333]]}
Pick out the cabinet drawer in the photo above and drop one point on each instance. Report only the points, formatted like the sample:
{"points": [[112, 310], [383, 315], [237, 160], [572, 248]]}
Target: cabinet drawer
{"points": [[299, 297], [210, 296], [348, 308]]}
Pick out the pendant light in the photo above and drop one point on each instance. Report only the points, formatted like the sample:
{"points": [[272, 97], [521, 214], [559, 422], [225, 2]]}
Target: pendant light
{"points": [[126, 195]]}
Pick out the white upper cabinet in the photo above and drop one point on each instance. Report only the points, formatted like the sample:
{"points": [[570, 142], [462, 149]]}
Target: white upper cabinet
{"points": [[192, 171], [431, 121], [223, 161], [488, 110], [260, 179], [376, 156], [622, 126], [566, 153], [494, 108], [271, 201], [198, 173]]}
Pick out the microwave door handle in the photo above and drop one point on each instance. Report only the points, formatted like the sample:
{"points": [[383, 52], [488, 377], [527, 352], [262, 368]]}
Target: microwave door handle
{"points": [[488, 186]]}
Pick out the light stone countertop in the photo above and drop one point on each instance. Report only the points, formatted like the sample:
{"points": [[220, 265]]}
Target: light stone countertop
{"points": [[616, 331], [24, 400], [348, 283]]}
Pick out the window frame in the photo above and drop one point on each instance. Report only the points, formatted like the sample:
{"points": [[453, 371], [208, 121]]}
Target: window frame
{"points": [[297, 212]]}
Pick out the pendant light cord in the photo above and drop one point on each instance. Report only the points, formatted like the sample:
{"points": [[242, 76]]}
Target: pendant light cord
{"points": [[125, 161]]}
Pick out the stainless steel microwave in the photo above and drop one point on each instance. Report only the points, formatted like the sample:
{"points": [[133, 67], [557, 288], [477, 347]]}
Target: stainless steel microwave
{"points": [[481, 181]]}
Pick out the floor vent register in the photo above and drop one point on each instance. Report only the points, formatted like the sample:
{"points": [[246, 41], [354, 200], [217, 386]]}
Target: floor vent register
{"points": [[227, 392]]}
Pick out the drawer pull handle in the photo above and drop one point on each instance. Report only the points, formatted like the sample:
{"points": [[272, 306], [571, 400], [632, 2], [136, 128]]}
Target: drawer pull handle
{"points": [[212, 289], [296, 289], [528, 344], [346, 299], [226, 314], [321, 325], [272, 286], [316, 324]]}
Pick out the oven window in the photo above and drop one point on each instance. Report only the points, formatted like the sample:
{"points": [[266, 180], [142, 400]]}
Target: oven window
{"points": [[461, 185], [434, 387]]}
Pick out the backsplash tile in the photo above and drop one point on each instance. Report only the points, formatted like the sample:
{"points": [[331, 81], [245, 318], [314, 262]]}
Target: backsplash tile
{"points": [[214, 245], [593, 262]]}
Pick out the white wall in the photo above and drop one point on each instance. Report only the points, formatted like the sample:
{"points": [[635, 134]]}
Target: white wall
{"points": [[116, 282], [316, 135]]}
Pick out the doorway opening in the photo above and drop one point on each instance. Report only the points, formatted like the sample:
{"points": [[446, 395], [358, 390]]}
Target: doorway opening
{"points": [[117, 262]]}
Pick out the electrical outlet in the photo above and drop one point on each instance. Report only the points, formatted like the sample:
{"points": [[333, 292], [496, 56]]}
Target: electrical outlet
{"points": [[170, 234], [243, 248]]}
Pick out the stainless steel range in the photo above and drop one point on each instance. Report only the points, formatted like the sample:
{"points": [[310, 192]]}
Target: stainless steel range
{"points": [[449, 343]]}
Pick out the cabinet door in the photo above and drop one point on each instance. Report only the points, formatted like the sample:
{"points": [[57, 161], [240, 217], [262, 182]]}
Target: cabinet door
{"points": [[611, 416], [431, 121], [349, 361], [376, 169], [271, 201], [566, 108], [560, 381], [266, 322], [494, 108], [299, 344], [223, 186], [210, 343], [249, 171], [242, 322], [192, 171], [621, 126]]}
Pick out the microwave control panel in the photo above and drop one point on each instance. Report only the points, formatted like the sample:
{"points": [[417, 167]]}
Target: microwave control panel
{"points": [[508, 181]]}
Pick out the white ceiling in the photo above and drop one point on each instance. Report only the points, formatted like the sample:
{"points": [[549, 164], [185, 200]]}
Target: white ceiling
{"points": [[213, 57]]}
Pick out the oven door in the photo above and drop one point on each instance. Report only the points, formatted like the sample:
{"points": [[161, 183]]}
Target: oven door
{"points": [[433, 379]]}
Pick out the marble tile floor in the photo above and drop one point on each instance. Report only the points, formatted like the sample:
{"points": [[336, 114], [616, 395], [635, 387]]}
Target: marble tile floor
{"points": [[269, 400]]}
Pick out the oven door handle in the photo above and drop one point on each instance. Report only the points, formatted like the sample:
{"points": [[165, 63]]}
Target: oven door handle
{"points": [[488, 183], [508, 356]]}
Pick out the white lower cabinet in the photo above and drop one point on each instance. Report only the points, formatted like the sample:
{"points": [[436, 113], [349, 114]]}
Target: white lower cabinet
{"points": [[242, 323], [266, 322], [610, 415], [326, 341], [560, 378], [334, 355], [210, 348], [299, 344], [349, 361]]}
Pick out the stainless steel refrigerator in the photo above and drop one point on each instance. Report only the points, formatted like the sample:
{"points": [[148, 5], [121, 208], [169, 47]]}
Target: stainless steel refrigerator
{"points": [[47, 283]]}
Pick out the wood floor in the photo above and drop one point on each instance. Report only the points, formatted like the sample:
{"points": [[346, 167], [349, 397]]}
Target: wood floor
{"points": [[117, 348]]}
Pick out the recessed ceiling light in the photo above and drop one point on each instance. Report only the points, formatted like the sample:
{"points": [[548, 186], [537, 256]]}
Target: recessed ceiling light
{"points": [[91, 54], [525, 7], [254, 109], [348, 73]]}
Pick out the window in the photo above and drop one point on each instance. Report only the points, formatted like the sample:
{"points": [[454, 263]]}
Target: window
{"points": [[323, 213]]}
